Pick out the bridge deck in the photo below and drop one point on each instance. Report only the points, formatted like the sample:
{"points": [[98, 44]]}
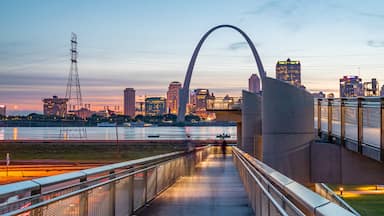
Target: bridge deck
{"points": [[214, 189]]}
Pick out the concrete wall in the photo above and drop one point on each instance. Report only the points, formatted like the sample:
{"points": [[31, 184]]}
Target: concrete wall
{"points": [[287, 128], [332, 164], [251, 124]]}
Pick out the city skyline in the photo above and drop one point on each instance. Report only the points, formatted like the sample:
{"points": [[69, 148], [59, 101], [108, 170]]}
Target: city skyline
{"points": [[132, 45]]}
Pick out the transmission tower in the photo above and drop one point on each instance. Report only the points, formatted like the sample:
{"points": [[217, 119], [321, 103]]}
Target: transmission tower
{"points": [[73, 94]]}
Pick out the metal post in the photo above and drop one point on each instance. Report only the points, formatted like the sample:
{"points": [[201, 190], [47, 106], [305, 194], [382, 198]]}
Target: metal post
{"points": [[319, 117], [359, 125], [132, 194], [145, 186], [330, 119], [382, 129], [83, 208], [112, 193], [342, 121]]}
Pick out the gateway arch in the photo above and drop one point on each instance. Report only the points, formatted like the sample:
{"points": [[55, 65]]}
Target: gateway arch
{"points": [[184, 92]]}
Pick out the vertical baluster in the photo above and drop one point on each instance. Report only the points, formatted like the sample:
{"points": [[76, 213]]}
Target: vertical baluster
{"points": [[330, 100], [342, 121], [359, 125]]}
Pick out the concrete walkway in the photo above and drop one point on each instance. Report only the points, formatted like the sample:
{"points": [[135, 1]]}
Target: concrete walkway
{"points": [[214, 189]]}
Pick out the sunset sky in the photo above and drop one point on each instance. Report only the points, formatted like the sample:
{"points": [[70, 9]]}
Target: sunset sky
{"points": [[147, 44]]}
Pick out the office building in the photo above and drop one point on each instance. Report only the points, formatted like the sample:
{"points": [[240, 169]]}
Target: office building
{"points": [[351, 86], [371, 88], [140, 105], [3, 110], [173, 97], [155, 106], [129, 102], [254, 84], [199, 99], [382, 91], [289, 71], [55, 106]]}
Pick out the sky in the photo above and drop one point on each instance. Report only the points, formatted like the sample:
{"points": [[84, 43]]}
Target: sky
{"points": [[146, 44]]}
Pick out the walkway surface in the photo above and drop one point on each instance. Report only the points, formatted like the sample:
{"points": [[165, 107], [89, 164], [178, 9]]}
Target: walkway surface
{"points": [[214, 189]]}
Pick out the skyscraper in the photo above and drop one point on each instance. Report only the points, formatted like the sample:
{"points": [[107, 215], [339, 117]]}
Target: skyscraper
{"points": [[351, 86], [254, 84], [155, 106], [289, 71], [55, 106], [129, 102], [3, 110], [371, 88], [173, 97]]}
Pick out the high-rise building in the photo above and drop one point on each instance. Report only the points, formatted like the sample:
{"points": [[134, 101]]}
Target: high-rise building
{"points": [[351, 86], [55, 106], [129, 102], [371, 88], [173, 97], [155, 106], [140, 105], [289, 71], [382, 91], [254, 83], [3, 110], [199, 99]]}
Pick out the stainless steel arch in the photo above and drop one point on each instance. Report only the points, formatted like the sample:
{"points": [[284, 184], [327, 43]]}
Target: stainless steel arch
{"points": [[185, 90]]}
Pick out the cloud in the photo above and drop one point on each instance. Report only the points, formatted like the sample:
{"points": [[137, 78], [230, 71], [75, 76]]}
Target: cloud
{"points": [[374, 15], [375, 44], [238, 45]]}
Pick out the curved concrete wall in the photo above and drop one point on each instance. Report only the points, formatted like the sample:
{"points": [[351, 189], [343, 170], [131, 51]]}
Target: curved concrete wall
{"points": [[287, 128], [251, 124]]}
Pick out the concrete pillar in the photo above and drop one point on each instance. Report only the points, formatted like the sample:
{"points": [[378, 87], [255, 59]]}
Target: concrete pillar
{"points": [[287, 128], [251, 120]]}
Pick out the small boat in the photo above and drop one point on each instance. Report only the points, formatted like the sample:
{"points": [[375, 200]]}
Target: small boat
{"points": [[107, 124], [153, 136], [223, 135]]}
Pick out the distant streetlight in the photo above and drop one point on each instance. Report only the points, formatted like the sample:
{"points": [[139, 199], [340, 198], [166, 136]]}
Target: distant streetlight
{"points": [[341, 189]]}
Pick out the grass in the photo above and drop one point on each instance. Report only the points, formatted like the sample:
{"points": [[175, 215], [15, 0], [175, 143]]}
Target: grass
{"points": [[82, 152], [365, 204]]}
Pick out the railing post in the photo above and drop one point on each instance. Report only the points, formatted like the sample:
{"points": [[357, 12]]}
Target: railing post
{"points": [[382, 129], [83, 206], [330, 119], [131, 193], [319, 117], [342, 121], [112, 193], [359, 125], [145, 186]]}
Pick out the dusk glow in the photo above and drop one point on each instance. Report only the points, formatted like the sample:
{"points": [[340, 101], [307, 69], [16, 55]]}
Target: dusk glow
{"points": [[147, 44]]}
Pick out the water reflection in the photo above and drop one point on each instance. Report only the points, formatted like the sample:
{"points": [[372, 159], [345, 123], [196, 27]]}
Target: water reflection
{"points": [[15, 133], [2, 134]]}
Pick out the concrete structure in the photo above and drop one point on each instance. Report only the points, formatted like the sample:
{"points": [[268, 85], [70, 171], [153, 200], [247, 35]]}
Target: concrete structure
{"points": [[129, 102], [55, 106], [173, 95], [351, 86], [155, 106], [382, 90], [287, 128], [254, 83], [185, 90], [289, 71], [251, 141], [371, 88], [3, 110]]}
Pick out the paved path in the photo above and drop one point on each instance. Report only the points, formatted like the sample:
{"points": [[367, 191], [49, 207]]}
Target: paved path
{"points": [[214, 189]]}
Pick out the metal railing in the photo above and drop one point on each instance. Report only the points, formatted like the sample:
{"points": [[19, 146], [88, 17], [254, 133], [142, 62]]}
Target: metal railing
{"points": [[271, 193], [356, 123], [116, 189], [327, 193]]}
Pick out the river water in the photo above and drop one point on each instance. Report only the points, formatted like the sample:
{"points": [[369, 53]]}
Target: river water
{"points": [[111, 133]]}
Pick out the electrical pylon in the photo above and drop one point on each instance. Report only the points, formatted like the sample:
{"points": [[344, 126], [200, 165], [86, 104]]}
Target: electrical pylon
{"points": [[73, 94]]}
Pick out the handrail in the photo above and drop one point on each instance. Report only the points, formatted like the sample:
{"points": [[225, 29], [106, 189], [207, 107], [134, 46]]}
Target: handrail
{"points": [[35, 193], [306, 200]]}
